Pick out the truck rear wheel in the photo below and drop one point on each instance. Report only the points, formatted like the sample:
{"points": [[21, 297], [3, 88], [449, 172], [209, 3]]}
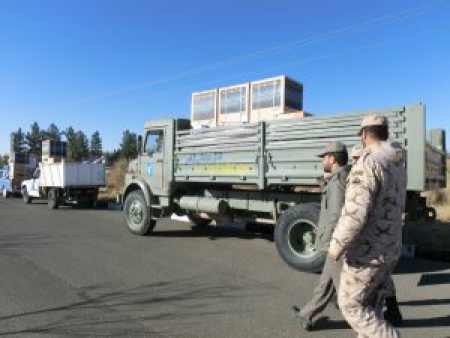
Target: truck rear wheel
{"points": [[25, 196], [295, 238], [137, 214], [52, 199]]}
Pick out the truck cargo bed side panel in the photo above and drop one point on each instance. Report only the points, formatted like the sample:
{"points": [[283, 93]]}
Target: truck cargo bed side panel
{"points": [[292, 145], [231, 154], [67, 174]]}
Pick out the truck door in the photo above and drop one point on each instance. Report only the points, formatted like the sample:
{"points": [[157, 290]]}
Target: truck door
{"points": [[35, 183], [153, 160]]}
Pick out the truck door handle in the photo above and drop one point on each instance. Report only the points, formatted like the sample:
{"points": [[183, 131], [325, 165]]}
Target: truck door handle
{"points": [[159, 160]]}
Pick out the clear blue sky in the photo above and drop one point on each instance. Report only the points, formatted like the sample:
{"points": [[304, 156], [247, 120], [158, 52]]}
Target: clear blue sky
{"points": [[111, 65]]}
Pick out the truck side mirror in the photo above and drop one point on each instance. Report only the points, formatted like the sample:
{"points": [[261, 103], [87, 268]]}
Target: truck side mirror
{"points": [[139, 144]]}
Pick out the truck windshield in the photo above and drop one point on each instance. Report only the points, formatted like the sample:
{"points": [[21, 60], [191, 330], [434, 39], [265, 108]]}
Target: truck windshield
{"points": [[154, 142], [36, 174]]}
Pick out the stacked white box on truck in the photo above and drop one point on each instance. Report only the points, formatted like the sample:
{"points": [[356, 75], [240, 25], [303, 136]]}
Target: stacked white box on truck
{"points": [[204, 109], [275, 98]]}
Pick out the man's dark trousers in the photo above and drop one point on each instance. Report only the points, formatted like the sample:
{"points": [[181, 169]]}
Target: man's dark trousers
{"points": [[325, 290]]}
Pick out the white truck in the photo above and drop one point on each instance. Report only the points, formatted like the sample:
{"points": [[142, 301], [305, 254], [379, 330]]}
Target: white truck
{"points": [[65, 183]]}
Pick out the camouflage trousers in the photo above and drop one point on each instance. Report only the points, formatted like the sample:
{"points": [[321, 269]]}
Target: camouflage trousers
{"points": [[361, 296]]}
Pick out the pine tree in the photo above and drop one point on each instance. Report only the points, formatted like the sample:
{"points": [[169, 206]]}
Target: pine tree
{"points": [[18, 141], [53, 133], [34, 139], [112, 156], [80, 147], [70, 136], [128, 148], [96, 147]]}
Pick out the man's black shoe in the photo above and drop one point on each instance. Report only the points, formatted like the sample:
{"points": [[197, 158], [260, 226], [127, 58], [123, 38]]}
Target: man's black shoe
{"points": [[305, 323]]}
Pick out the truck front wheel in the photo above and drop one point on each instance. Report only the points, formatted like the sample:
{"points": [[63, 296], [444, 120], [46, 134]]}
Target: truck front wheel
{"points": [[52, 199], [295, 238], [137, 214]]}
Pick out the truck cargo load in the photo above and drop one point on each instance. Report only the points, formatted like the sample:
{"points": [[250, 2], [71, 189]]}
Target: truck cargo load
{"points": [[54, 151], [269, 99]]}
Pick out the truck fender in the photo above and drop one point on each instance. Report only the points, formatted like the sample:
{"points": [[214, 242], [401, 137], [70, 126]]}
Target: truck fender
{"points": [[134, 185]]}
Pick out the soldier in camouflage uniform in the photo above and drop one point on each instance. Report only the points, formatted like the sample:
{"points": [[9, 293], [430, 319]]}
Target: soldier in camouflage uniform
{"points": [[335, 159], [369, 232], [392, 313]]}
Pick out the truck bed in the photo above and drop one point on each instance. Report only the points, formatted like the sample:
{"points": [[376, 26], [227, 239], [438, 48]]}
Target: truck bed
{"points": [[283, 152], [70, 174]]}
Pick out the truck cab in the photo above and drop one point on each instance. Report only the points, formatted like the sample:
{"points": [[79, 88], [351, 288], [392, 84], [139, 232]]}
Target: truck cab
{"points": [[5, 183], [30, 188], [149, 179]]}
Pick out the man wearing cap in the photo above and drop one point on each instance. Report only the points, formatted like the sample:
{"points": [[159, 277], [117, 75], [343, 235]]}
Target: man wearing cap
{"points": [[368, 233], [335, 158]]}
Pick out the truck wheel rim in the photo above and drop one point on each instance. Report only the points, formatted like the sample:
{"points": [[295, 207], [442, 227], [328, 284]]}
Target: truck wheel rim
{"points": [[301, 238], [136, 213]]}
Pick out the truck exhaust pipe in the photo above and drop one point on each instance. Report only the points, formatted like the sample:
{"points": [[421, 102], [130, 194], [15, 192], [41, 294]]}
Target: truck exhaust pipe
{"points": [[204, 204]]}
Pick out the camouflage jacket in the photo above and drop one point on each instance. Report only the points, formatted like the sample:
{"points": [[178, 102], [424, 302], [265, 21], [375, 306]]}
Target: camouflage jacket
{"points": [[333, 196], [370, 227]]}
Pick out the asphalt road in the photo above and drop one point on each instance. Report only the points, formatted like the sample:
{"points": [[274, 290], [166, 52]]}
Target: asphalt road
{"points": [[74, 272]]}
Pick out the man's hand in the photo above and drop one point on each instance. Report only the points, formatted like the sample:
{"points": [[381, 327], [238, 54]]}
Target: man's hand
{"points": [[326, 176]]}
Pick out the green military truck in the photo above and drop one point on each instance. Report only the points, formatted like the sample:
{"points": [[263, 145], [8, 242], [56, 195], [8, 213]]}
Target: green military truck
{"points": [[266, 172]]}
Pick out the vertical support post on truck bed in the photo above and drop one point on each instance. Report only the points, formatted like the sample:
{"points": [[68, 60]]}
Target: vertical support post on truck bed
{"points": [[262, 157], [416, 140]]}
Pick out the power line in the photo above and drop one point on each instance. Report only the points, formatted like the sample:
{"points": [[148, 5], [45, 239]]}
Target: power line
{"points": [[323, 37]]}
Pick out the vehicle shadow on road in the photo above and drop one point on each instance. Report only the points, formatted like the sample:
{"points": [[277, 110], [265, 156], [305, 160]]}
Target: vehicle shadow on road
{"points": [[214, 233], [184, 304]]}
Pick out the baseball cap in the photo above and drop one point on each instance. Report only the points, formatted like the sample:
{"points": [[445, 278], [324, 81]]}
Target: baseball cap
{"points": [[373, 120], [333, 147]]}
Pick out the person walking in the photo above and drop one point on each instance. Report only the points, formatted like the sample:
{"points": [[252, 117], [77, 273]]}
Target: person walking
{"points": [[335, 159], [368, 235], [392, 313]]}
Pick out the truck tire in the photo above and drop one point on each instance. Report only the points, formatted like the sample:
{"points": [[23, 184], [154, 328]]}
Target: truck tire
{"points": [[25, 196], [5, 193], [52, 199], [137, 214], [295, 238]]}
